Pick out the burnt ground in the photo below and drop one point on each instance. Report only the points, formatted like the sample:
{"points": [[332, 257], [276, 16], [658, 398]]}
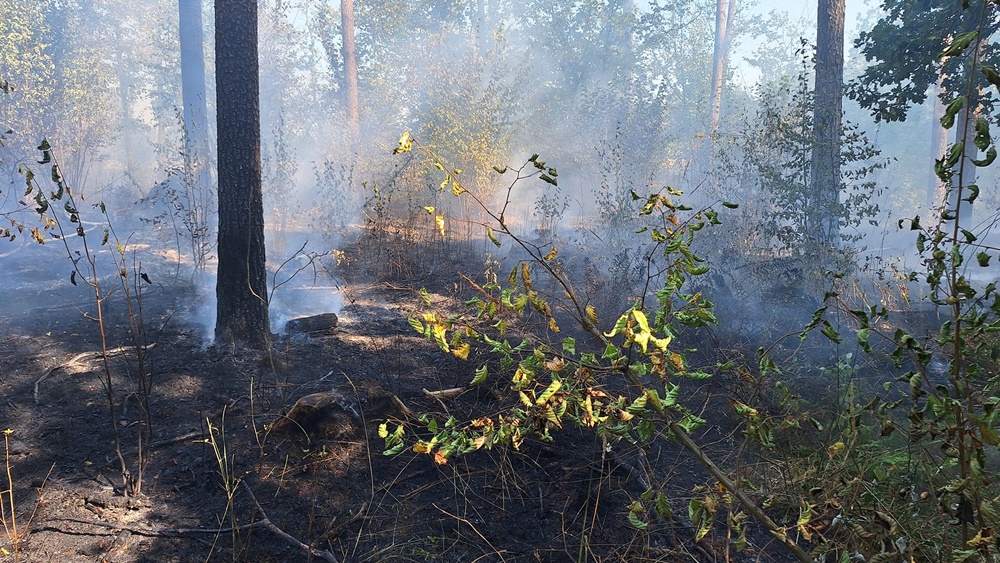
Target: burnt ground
{"points": [[322, 479]]}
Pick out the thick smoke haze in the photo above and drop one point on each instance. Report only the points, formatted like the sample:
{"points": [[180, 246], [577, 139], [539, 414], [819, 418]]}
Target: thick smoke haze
{"points": [[615, 95]]}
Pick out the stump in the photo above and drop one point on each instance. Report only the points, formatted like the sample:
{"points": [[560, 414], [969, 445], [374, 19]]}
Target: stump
{"points": [[316, 325]]}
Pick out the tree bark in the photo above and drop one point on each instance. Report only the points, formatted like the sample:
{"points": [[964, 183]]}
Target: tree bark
{"points": [[242, 279], [827, 125], [936, 189], [725, 11], [350, 67]]}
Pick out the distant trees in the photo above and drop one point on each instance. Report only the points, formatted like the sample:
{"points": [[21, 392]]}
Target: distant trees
{"points": [[350, 66], [902, 50], [241, 289]]}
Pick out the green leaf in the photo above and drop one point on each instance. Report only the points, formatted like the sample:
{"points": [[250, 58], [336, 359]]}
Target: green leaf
{"points": [[636, 522], [416, 324], [480, 376], [991, 75], [830, 332], [492, 236], [662, 504], [730, 205], [983, 259], [950, 112], [569, 345], [960, 43]]}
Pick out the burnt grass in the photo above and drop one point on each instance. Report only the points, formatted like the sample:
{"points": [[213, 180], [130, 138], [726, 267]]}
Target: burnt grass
{"points": [[322, 479]]}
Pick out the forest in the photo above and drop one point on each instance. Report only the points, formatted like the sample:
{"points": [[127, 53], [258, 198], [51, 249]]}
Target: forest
{"points": [[499, 280]]}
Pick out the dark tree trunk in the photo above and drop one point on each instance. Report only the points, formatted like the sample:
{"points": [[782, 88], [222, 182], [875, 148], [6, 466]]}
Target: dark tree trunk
{"points": [[242, 281], [350, 66], [827, 125]]}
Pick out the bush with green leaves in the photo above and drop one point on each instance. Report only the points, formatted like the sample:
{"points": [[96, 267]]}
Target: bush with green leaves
{"points": [[626, 384]]}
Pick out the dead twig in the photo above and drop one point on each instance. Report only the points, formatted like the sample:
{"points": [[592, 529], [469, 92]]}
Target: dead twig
{"points": [[474, 529], [291, 540], [78, 357]]}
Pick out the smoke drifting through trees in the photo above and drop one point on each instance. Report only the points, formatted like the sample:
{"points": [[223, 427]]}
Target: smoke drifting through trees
{"points": [[617, 95]]}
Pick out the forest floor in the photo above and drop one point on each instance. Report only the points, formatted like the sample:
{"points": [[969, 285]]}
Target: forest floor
{"points": [[322, 480]]}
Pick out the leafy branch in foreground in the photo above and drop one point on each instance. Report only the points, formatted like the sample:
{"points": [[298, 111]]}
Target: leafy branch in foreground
{"points": [[61, 222], [628, 386]]}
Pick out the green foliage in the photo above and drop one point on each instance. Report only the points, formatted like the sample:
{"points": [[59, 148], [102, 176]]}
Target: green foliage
{"points": [[909, 471], [629, 387], [776, 145], [903, 49]]}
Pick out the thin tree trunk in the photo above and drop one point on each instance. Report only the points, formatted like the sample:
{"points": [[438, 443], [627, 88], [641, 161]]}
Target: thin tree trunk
{"points": [[197, 171], [192, 40], [482, 29], [350, 67], [725, 11], [827, 125], [241, 289], [936, 189], [965, 170]]}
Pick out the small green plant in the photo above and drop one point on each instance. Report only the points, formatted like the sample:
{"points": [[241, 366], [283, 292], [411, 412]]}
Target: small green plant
{"points": [[224, 460]]}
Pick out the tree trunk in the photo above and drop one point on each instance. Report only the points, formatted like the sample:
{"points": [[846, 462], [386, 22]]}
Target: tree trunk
{"points": [[827, 126], [193, 80], [350, 66], [482, 29], [965, 170], [936, 189], [725, 10], [242, 280], [197, 171]]}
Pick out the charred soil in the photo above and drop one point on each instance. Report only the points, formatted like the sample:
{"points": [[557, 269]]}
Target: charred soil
{"points": [[297, 472]]}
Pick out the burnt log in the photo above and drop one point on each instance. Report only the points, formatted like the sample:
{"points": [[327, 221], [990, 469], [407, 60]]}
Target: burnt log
{"points": [[316, 325]]}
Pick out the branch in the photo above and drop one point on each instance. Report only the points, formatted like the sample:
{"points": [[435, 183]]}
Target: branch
{"points": [[291, 540]]}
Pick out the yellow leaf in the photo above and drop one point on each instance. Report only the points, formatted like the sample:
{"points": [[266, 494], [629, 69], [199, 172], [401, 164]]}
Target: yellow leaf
{"points": [[640, 318], [552, 254], [439, 220], [462, 353], [552, 324], [549, 392], [457, 188], [835, 449], [405, 143], [592, 314], [430, 209], [421, 448]]}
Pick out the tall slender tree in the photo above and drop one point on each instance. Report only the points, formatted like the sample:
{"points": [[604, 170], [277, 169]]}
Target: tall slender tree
{"points": [[193, 90], [725, 12], [350, 67], [827, 121], [241, 289]]}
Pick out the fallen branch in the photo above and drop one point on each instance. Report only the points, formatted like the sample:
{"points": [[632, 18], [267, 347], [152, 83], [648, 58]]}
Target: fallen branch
{"points": [[291, 540], [150, 532], [81, 356]]}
